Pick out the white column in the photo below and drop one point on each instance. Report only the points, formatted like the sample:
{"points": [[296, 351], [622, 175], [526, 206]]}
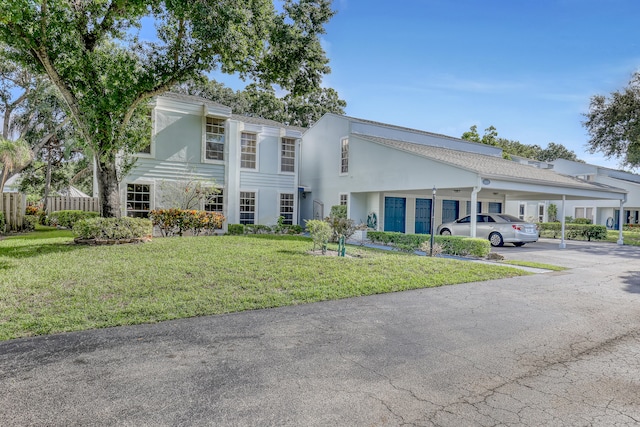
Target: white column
{"points": [[562, 218], [620, 219], [474, 210]]}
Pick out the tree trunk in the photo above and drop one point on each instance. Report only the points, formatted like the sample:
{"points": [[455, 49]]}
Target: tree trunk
{"points": [[108, 189], [47, 182]]}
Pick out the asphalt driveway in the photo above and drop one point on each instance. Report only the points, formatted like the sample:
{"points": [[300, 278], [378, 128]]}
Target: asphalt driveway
{"points": [[558, 348]]}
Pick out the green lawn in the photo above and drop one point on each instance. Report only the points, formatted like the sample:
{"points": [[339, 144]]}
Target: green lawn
{"points": [[49, 285]]}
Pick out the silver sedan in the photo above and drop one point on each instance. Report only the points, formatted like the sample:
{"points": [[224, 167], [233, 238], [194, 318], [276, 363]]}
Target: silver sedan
{"points": [[498, 228]]}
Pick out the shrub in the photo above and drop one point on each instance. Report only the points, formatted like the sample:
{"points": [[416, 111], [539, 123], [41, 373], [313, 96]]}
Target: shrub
{"points": [[205, 221], [320, 233], [31, 210], [426, 247], [257, 229], [177, 221], [69, 218], [43, 219], [582, 221], [3, 222], [341, 227], [124, 228], [450, 245], [573, 231], [338, 211], [29, 222], [235, 229]]}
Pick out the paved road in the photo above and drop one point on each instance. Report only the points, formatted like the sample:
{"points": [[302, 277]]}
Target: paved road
{"points": [[548, 349]]}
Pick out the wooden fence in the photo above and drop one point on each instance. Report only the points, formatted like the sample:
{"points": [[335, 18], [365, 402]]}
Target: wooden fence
{"points": [[88, 204], [13, 206]]}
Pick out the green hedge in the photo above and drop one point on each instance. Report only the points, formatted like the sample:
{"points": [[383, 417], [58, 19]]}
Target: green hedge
{"points": [[69, 218], [235, 229], [124, 228], [573, 231], [451, 245], [29, 223]]}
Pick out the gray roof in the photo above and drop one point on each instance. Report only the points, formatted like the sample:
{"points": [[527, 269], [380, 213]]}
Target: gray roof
{"points": [[491, 166], [406, 129]]}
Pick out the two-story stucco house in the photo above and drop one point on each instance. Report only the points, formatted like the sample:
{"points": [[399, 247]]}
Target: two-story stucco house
{"points": [[253, 162], [385, 174]]}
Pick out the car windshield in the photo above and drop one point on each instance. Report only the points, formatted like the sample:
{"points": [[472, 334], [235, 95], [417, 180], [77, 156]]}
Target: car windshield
{"points": [[509, 218]]}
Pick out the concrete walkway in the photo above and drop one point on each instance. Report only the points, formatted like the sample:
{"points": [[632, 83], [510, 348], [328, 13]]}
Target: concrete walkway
{"points": [[556, 349]]}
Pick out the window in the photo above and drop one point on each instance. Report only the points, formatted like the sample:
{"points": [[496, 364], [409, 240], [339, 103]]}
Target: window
{"points": [[286, 208], [215, 202], [541, 212], [521, 211], [584, 213], [343, 199], [248, 143], [214, 149], [344, 155], [288, 155], [495, 207], [138, 200], [247, 207]]}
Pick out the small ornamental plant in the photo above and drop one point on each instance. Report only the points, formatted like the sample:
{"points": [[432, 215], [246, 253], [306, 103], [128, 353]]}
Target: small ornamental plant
{"points": [[320, 232]]}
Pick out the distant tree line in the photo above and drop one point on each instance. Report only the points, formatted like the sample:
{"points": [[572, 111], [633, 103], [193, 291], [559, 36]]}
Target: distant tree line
{"points": [[515, 148]]}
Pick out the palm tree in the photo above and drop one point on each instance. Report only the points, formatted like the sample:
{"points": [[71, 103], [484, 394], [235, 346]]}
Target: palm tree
{"points": [[13, 155]]}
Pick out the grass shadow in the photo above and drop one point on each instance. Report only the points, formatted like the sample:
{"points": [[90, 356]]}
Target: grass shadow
{"points": [[39, 242], [28, 251]]}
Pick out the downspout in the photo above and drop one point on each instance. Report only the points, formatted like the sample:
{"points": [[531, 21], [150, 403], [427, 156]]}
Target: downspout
{"points": [[562, 218], [474, 210]]}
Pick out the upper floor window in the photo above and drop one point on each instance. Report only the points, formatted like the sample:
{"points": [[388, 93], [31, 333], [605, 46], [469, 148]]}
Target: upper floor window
{"points": [[344, 155], [214, 149], [248, 150], [288, 155]]}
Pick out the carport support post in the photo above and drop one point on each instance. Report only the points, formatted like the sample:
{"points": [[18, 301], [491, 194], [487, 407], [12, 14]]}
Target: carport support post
{"points": [[474, 211], [620, 219], [562, 219], [433, 219]]}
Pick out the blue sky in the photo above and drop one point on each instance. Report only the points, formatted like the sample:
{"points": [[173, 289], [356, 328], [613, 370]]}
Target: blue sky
{"points": [[528, 68]]}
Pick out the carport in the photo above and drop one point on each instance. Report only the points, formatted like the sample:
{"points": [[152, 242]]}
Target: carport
{"points": [[477, 176]]}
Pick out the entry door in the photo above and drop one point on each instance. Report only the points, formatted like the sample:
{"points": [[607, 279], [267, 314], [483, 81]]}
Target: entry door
{"points": [[394, 213], [423, 216], [450, 210], [318, 209]]}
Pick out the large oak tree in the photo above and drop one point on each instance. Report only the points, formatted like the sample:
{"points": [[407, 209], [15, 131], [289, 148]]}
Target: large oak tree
{"points": [[97, 57], [613, 124]]}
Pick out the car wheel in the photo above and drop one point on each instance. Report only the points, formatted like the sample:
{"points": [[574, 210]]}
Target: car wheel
{"points": [[518, 244], [445, 232], [495, 239]]}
